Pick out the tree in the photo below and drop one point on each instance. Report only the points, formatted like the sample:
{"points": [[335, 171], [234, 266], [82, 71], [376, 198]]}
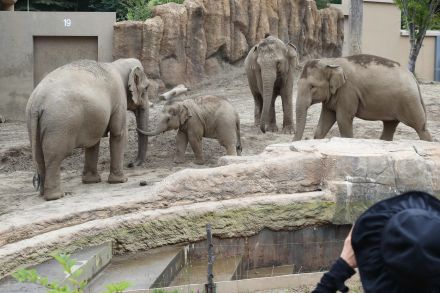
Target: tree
{"points": [[355, 27], [418, 16], [47, 5]]}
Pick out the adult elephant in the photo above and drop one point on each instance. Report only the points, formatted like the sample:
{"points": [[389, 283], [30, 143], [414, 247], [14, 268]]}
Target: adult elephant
{"points": [[77, 104], [364, 86], [270, 67]]}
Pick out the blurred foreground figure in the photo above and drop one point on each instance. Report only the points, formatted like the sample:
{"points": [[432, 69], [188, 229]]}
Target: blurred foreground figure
{"points": [[395, 244]]}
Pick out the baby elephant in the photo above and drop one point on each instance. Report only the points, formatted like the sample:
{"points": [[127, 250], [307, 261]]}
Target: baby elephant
{"points": [[207, 116]]}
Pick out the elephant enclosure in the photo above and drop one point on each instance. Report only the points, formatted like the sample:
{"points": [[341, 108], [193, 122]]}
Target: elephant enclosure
{"points": [[16, 168]]}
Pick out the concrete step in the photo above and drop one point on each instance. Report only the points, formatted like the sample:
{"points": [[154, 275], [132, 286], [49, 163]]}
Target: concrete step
{"points": [[91, 260], [142, 270]]}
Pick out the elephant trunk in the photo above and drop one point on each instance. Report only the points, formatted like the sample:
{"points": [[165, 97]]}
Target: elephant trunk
{"points": [[303, 103], [162, 127], [148, 133], [142, 123], [268, 79]]}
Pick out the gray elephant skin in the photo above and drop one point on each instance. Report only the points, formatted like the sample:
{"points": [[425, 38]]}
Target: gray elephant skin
{"points": [[77, 104], [364, 86], [270, 67], [207, 116]]}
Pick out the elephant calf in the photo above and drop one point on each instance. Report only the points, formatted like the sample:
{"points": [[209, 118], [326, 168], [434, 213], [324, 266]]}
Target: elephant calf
{"points": [[74, 106], [207, 116], [364, 86]]}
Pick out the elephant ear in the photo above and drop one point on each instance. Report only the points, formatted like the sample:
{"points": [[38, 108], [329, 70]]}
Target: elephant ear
{"points": [[184, 114], [336, 77], [138, 84], [292, 52], [253, 55], [292, 55]]}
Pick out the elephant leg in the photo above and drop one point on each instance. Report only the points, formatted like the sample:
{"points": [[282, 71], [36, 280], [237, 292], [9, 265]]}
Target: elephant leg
{"points": [[197, 147], [228, 138], [118, 141], [326, 121], [257, 110], [286, 99], [389, 127], [231, 150], [345, 124], [272, 116], [181, 143], [424, 134], [52, 182], [41, 169], [117, 148], [90, 172]]}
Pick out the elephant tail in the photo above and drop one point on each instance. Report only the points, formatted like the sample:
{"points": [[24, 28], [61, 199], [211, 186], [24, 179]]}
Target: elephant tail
{"points": [[36, 147], [237, 129]]}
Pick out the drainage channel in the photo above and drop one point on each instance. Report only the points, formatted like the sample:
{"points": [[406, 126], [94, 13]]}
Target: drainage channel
{"points": [[267, 254]]}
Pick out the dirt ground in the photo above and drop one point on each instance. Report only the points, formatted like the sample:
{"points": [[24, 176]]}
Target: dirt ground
{"points": [[16, 167]]}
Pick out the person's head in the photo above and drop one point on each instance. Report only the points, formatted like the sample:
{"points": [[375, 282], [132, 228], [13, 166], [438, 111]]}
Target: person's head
{"points": [[397, 244]]}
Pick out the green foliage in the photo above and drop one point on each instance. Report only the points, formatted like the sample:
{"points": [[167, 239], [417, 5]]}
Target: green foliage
{"points": [[73, 286], [321, 4], [159, 2], [418, 14], [138, 9], [108, 6], [125, 9], [142, 9], [47, 5]]}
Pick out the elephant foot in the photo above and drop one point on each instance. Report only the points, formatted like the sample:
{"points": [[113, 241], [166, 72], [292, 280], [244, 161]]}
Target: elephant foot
{"points": [[113, 178], [91, 178], [53, 195], [289, 129], [199, 161], [272, 128], [138, 162], [179, 160]]}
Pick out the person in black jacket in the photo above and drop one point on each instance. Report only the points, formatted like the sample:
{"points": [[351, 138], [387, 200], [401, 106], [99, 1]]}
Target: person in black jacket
{"points": [[396, 246]]}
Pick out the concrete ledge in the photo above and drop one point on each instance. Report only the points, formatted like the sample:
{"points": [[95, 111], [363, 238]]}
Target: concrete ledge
{"points": [[248, 285], [179, 224]]}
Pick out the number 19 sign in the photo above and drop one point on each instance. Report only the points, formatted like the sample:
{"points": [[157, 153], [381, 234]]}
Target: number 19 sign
{"points": [[67, 22]]}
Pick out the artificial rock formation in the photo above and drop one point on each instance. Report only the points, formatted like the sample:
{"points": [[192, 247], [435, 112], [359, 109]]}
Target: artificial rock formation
{"points": [[287, 187], [7, 5], [184, 42]]}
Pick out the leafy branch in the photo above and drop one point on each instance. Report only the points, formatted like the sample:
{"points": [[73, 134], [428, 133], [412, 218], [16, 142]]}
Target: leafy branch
{"points": [[73, 286]]}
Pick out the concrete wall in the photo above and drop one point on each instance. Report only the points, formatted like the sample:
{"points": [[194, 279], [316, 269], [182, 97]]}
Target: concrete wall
{"points": [[17, 32], [382, 36]]}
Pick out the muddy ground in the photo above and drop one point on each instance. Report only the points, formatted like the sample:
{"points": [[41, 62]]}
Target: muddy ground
{"points": [[16, 168]]}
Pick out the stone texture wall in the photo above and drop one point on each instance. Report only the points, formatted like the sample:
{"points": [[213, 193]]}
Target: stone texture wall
{"points": [[184, 42]]}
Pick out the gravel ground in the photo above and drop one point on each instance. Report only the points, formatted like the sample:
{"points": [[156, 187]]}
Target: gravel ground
{"points": [[16, 168]]}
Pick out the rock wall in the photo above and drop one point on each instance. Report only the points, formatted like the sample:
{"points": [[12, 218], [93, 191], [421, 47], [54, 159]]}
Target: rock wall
{"points": [[184, 42]]}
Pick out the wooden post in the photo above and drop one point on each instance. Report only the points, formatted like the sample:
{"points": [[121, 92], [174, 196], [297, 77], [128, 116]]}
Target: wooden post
{"points": [[210, 286]]}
